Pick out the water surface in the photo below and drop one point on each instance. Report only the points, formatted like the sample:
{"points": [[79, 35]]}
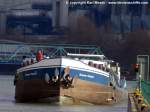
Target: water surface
{"points": [[8, 104]]}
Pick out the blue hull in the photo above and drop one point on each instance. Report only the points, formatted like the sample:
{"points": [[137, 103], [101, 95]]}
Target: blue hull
{"points": [[81, 74], [54, 78]]}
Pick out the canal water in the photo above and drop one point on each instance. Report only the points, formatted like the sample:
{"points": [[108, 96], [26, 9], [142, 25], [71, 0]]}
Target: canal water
{"points": [[8, 104]]}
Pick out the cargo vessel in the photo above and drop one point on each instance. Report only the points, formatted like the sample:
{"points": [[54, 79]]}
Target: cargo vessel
{"points": [[82, 77]]}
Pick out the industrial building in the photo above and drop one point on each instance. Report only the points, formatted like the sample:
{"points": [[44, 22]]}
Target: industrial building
{"points": [[122, 18], [40, 17], [47, 17]]}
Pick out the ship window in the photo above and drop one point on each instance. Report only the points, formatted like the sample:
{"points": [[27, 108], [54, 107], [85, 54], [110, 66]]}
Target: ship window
{"points": [[90, 63], [95, 65], [100, 66]]}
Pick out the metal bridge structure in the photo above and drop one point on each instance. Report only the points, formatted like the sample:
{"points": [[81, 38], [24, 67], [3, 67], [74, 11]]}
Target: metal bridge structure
{"points": [[14, 51]]}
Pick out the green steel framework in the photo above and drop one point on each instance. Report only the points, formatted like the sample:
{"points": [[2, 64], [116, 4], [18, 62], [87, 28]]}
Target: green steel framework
{"points": [[144, 83], [15, 51], [145, 87]]}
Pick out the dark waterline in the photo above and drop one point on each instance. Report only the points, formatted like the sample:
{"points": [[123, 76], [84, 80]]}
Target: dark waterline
{"points": [[8, 104]]}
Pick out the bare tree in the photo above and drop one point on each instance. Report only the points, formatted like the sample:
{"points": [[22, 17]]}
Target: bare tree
{"points": [[85, 31]]}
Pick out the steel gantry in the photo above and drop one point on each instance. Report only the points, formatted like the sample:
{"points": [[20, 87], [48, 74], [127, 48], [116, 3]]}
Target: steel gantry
{"points": [[14, 51]]}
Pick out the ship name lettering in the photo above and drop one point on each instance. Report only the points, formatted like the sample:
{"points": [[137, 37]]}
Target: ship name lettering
{"points": [[85, 75]]}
